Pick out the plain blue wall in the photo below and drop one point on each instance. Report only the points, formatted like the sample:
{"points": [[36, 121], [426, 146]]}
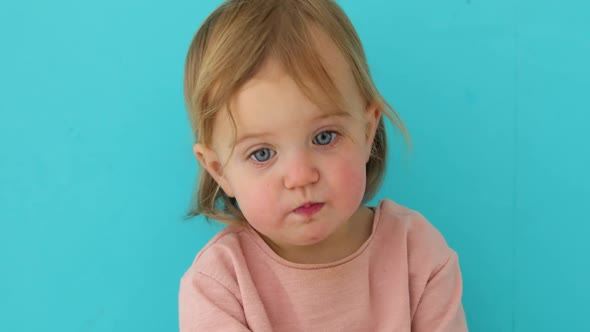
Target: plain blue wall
{"points": [[96, 167]]}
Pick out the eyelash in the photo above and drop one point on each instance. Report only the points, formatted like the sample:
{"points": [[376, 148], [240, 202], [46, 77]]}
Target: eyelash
{"points": [[333, 134]]}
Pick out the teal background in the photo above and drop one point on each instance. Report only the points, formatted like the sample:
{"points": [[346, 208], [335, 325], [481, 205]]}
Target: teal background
{"points": [[96, 168]]}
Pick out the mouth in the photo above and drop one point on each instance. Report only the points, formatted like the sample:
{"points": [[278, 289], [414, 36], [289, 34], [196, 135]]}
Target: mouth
{"points": [[309, 209]]}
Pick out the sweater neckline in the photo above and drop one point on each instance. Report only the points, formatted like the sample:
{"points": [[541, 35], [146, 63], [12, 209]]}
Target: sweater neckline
{"points": [[302, 266]]}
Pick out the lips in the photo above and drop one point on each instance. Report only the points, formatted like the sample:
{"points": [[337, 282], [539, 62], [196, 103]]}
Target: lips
{"points": [[309, 209]]}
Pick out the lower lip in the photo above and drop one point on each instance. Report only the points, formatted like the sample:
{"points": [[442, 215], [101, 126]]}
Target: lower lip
{"points": [[310, 210]]}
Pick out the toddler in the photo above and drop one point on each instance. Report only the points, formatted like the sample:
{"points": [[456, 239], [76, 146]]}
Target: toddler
{"points": [[289, 132]]}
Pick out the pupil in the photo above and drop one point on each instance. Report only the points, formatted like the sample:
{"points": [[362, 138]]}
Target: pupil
{"points": [[262, 154], [324, 138]]}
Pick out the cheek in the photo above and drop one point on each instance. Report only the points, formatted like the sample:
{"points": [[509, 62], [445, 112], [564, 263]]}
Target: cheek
{"points": [[254, 196], [349, 176]]}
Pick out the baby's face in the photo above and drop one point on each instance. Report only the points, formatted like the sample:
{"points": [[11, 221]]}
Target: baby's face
{"points": [[297, 169]]}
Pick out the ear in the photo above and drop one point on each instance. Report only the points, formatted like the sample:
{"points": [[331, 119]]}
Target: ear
{"points": [[210, 162], [372, 118]]}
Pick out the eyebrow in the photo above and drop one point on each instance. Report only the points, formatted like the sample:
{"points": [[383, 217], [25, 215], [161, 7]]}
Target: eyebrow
{"points": [[329, 114]]}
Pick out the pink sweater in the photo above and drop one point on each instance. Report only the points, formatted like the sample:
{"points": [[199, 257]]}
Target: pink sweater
{"points": [[403, 278]]}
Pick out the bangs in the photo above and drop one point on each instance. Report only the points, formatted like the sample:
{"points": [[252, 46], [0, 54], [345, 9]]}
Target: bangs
{"points": [[233, 44], [296, 48]]}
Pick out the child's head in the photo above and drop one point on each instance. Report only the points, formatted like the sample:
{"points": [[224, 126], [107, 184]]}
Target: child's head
{"points": [[293, 77]]}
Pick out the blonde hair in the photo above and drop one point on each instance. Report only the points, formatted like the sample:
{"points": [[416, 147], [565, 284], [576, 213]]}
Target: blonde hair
{"points": [[229, 48]]}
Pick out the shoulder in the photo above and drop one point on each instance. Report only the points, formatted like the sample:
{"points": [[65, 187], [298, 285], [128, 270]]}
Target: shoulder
{"points": [[425, 246], [221, 259], [434, 276]]}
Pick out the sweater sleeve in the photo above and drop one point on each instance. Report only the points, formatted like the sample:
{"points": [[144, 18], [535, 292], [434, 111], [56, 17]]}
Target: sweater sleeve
{"points": [[207, 305], [440, 308]]}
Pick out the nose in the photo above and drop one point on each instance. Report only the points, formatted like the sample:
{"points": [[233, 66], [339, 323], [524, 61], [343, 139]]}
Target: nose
{"points": [[300, 171]]}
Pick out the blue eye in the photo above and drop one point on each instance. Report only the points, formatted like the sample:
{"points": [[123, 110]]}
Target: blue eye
{"points": [[324, 138], [262, 155]]}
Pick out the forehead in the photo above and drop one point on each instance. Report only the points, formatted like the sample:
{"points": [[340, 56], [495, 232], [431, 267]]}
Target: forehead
{"points": [[277, 87]]}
